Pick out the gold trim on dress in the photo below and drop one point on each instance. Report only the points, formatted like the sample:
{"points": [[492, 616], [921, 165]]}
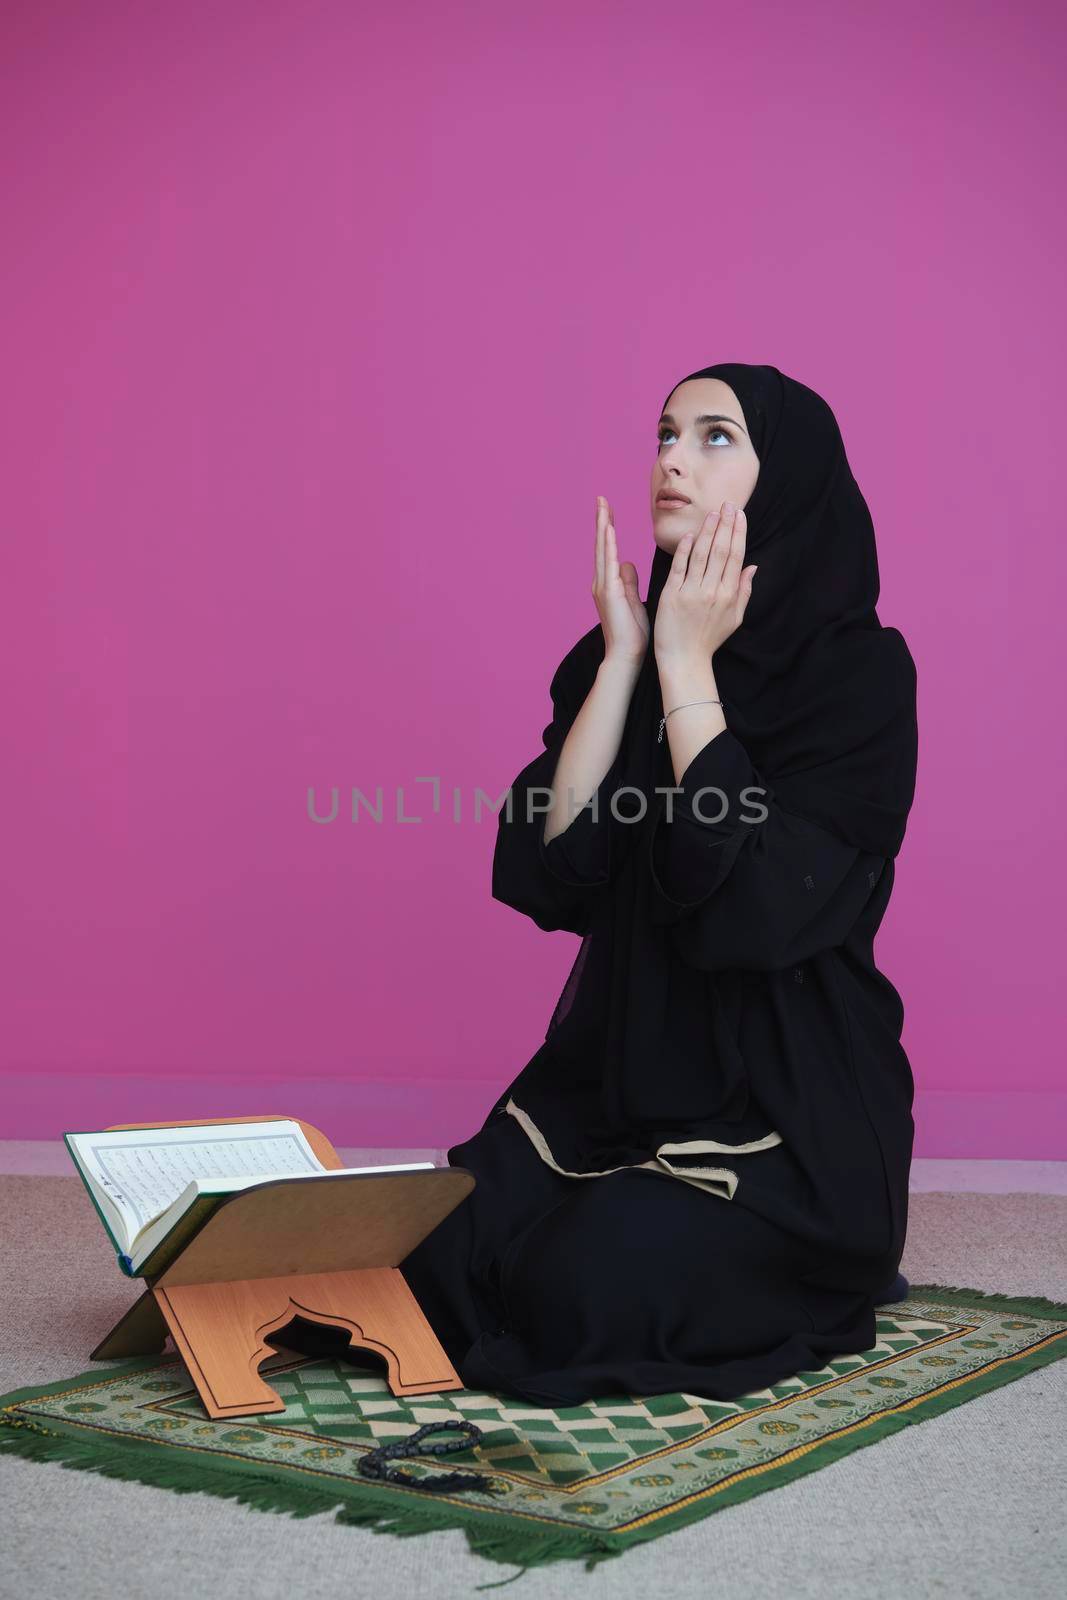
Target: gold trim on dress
{"points": [[721, 1181]]}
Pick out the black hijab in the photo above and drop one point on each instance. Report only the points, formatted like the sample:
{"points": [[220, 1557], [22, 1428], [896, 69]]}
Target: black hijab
{"points": [[820, 694]]}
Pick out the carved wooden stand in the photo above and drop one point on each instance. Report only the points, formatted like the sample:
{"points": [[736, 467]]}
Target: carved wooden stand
{"points": [[326, 1251]]}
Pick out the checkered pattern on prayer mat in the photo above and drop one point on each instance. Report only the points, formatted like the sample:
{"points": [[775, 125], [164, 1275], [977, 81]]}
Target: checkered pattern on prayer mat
{"points": [[582, 1482]]}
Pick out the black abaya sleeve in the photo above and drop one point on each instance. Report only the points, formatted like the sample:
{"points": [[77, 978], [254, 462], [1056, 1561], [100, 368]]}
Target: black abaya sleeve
{"points": [[557, 884], [758, 894]]}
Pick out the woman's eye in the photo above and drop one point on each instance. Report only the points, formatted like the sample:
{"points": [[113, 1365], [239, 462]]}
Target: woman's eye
{"points": [[711, 434]]}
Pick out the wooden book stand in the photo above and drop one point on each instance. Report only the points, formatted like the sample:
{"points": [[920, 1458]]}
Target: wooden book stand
{"points": [[327, 1252]]}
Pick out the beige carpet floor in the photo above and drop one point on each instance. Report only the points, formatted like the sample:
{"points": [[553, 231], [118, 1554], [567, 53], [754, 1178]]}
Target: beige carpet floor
{"points": [[968, 1504]]}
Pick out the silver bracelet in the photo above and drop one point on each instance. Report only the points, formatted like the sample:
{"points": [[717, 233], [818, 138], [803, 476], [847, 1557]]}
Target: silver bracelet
{"points": [[670, 713]]}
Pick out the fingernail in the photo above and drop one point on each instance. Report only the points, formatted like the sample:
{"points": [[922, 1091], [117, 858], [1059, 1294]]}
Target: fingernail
{"points": [[729, 507]]}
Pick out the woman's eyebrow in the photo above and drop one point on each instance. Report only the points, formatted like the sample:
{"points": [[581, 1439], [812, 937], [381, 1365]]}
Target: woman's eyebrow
{"points": [[666, 417]]}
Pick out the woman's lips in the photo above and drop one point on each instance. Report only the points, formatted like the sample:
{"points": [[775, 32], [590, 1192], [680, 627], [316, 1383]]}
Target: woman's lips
{"points": [[670, 504]]}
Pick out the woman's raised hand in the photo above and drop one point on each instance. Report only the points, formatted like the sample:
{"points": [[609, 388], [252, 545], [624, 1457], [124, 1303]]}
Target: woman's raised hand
{"points": [[622, 611], [704, 598]]}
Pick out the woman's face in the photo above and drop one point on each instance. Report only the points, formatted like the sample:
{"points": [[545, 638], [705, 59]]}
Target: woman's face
{"points": [[704, 453]]}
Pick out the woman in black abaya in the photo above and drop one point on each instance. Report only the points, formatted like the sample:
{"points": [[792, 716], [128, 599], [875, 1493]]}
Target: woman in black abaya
{"points": [[699, 1182]]}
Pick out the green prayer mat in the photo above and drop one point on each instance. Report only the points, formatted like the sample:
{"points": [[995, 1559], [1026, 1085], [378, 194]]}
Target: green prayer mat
{"points": [[574, 1482]]}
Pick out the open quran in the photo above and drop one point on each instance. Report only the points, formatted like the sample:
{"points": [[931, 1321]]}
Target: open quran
{"points": [[154, 1188]]}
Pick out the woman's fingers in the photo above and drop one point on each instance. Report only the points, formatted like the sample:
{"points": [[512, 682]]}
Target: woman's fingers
{"points": [[720, 549], [698, 550], [721, 538], [712, 561], [700, 555], [731, 571], [714, 556], [680, 560], [611, 553], [606, 552]]}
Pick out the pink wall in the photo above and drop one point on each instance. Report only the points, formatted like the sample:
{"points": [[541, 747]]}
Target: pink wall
{"points": [[326, 324]]}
